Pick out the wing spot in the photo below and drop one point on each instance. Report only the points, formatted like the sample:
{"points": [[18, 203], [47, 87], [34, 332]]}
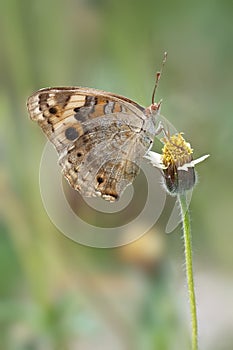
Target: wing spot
{"points": [[53, 110], [99, 179], [71, 133]]}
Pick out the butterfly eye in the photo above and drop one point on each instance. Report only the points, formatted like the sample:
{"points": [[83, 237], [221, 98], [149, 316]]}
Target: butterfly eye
{"points": [[79, 154]]}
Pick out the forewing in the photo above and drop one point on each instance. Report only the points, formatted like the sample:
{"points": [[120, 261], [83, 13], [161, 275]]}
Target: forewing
{"points": [[98, 137]]}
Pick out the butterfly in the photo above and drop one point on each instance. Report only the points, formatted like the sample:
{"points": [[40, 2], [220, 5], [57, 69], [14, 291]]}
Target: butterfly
{"points": [[100, 137]]}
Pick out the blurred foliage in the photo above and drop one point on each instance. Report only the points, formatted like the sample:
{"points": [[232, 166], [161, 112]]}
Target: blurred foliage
{"points": [[56, 294]]}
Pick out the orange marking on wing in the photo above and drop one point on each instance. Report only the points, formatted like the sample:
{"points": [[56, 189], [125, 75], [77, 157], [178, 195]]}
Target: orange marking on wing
{"points": [[117, 107], [98, 110], [102, 100]]}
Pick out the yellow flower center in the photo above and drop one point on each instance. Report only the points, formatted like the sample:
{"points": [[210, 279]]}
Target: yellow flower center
{"points": [[176, 151]]}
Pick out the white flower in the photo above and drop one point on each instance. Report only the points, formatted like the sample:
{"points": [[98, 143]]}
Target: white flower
{"points": [[176, 163]]}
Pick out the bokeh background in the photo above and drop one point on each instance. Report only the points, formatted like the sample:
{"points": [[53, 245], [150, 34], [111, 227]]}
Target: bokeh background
{"points": [[57, 294]]}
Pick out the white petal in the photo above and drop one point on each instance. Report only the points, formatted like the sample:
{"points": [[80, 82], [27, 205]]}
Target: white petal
{"points": [[155, 159], [186, 166], [198, 160], [192, 163]]}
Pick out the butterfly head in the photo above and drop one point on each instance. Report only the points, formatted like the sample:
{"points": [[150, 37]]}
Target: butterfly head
{"points": [[154, 108]]}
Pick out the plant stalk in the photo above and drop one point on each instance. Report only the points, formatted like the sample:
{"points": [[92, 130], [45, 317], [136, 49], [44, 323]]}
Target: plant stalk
{"points": [[189, 267]]}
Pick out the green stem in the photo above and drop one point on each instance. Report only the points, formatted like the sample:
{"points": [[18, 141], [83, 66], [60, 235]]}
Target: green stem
{"points": [[189, 268]]}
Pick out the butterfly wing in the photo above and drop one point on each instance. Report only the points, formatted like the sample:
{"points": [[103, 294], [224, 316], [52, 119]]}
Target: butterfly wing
{"points": [[100, 137]]}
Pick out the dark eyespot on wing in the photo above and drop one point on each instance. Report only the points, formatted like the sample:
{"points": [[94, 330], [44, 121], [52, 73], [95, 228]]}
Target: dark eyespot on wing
{"points": [[100, 180], [71, 133], [53, 110]]}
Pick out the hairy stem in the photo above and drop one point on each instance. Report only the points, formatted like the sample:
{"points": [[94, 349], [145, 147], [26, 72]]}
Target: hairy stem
{"points": [[189, 268]]}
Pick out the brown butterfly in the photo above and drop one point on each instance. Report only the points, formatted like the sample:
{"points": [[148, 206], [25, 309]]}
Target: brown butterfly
{"points": [[100, 137]]}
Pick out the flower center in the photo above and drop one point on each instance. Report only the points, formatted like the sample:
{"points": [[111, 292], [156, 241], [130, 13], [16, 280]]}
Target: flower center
{"points": [[176, 151]]}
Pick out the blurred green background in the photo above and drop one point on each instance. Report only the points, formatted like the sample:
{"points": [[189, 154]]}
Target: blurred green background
{"points": [[57, 294]]}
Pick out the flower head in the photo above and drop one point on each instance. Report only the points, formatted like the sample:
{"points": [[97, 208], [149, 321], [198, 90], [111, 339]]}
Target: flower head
{"points": [[176, 163]]}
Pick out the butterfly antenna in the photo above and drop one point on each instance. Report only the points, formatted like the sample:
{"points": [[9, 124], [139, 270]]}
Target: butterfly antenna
{"points": [[158, 76]]}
